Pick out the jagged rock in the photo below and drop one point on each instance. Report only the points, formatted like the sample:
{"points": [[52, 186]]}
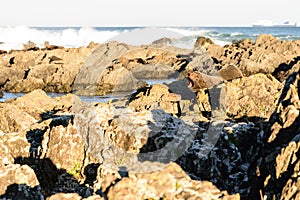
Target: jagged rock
{"points": [[219, 153], [24, 71], [153, 71], [58, 138], [13, 120], [265, 55], [284, 70], [118, 79], [126, 135], [157, 96], [71, 196], [87, 79], [17, 174], [16, 144], [150, 55], [201, 61], [169, 183], [5, 157], [215, 51], [203, 41], [22, 108], [254, 96], [48, 46], [280, 166], [174, 98]]}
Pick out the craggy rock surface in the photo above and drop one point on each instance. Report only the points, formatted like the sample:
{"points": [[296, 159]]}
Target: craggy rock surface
{"points": [[161, 141], [265, 55], [280, 166], [50, 70]]}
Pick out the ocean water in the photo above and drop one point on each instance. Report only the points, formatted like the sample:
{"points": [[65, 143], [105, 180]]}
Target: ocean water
{"points": [[15, 37], [105, 98]]}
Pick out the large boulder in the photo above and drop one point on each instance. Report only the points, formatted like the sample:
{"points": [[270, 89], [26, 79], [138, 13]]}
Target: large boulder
{"points": [[203, 41], [253, 96], [170, 183], [128, 137]]}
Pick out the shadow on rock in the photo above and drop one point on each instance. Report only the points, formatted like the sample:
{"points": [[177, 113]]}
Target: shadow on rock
{"points": [[51, 179], [168, 139], [278, 169]]}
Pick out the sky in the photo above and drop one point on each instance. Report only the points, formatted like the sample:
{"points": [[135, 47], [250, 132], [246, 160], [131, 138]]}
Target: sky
{"points": [[149, 13]]}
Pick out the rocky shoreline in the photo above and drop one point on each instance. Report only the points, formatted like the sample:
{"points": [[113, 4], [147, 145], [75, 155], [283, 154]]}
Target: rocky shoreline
{"points": [[163, 140]]}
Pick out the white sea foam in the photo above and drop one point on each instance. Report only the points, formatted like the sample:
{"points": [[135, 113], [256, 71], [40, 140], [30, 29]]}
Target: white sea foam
{"points": [[185, 37], [236, 34], [145, 35], [189, 31], [16, 37]]}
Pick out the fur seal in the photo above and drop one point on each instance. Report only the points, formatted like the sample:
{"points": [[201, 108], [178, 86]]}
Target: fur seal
{"points": [[199, 81]]}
